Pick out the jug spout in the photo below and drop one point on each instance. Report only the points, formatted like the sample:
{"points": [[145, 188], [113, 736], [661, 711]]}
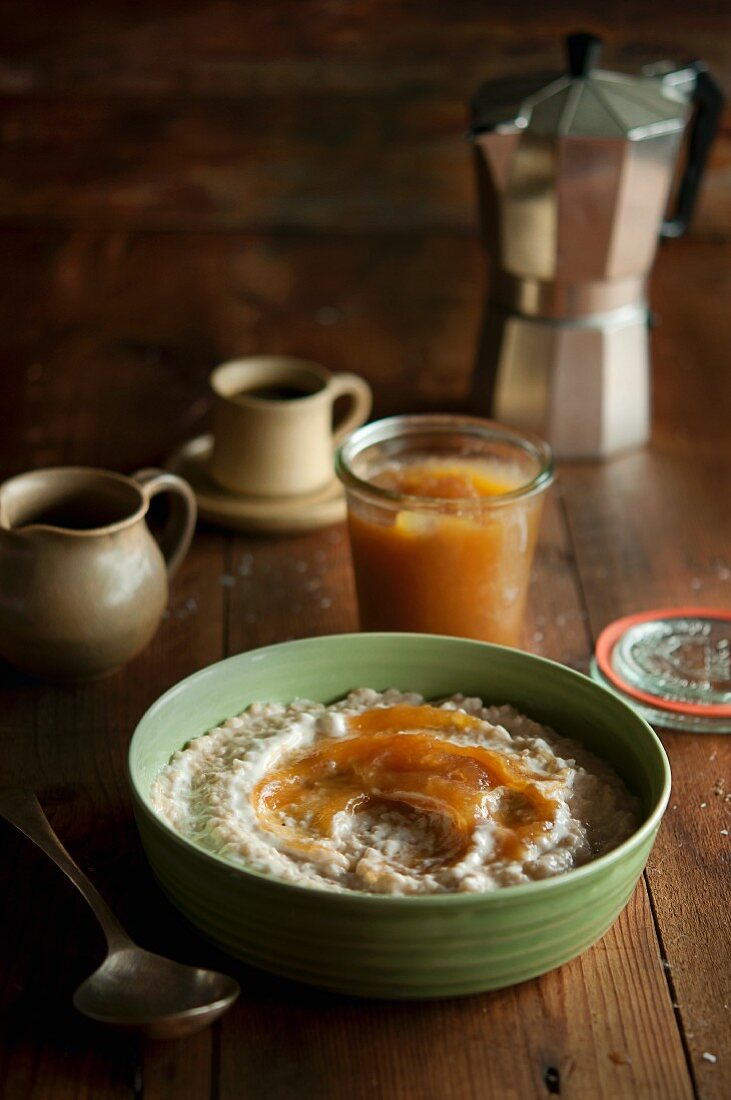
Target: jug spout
{"points": [[5, 523], [69, 501]]}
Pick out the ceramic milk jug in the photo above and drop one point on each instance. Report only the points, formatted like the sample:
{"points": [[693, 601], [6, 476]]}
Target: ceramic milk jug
{"points": [[83, 584], [574, 173]]}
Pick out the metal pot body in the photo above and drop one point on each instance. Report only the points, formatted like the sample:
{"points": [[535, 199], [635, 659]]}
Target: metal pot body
{"points": [[574, 176]]}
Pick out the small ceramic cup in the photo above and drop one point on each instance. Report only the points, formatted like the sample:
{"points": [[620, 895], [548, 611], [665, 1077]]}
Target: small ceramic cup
{"points": [[272, 424]]}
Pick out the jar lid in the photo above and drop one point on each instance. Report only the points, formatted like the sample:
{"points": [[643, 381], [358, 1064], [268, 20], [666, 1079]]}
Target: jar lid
{"points": [[673, 665]]}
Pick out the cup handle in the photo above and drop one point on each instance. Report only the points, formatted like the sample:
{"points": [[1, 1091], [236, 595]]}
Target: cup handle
{"points": [[359, 392], [178, 532]]}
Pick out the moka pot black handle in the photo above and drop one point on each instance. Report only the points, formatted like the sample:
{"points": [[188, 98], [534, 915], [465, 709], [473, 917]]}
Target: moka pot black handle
{"points": [[708, 101]]}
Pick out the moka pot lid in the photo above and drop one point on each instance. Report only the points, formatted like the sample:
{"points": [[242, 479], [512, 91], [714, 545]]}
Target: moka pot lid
{"points": [[585, 102]]}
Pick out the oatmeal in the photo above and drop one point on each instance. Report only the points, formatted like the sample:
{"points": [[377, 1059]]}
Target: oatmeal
{"points": [[384, 793]]}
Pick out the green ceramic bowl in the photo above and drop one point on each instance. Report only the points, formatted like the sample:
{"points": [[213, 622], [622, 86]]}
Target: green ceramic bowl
{"points": [[396, 947]]}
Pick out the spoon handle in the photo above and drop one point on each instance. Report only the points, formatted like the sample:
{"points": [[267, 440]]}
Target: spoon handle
{"points": [[21, 808]]}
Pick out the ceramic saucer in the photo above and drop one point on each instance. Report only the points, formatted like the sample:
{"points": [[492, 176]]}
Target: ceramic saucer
{"points": [[281, 515]]}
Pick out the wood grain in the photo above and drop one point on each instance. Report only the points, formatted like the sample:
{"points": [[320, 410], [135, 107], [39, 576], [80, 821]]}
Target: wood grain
{"points": [[118, 317], [128, 312], [571, 1033], [572, 1026], [627, 544], [653, 529], [187, 182], [70, 745], [213, 115]]}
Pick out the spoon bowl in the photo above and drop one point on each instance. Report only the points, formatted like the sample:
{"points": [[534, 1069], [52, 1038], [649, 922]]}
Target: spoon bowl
{"points": [[163, 999]]}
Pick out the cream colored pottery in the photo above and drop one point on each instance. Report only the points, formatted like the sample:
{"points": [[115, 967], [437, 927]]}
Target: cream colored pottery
{"points": [[83, 584], [264, 515], [272, 424]]}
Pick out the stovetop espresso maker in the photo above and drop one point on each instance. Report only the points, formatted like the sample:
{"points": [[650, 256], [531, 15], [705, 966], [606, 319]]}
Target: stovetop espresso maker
{"points": [[574, 173]]}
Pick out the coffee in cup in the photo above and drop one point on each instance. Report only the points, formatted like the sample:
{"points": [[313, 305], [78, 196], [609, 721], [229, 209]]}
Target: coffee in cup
{"points": [[273, 431]]}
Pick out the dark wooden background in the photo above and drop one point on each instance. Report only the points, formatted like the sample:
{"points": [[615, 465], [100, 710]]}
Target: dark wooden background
{"points": [[185, 181], [291, 116], [181, 182]]}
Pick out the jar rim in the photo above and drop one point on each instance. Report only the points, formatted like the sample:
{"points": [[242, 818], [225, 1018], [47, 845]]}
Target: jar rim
{"points": [[414, 424]]}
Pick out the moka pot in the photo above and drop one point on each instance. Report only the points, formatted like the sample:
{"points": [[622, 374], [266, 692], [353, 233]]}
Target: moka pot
{"points": [[575, 172]]}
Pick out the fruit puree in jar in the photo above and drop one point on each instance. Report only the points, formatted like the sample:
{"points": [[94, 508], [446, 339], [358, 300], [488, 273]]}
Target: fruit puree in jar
{"points": [[452, 556]]}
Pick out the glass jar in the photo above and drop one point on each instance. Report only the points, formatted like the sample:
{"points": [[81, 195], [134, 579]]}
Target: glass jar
{"points": [[443, 513]]}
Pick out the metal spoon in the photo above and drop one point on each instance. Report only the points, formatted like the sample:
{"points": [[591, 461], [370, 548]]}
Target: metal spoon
{"points": [[132, 988]]}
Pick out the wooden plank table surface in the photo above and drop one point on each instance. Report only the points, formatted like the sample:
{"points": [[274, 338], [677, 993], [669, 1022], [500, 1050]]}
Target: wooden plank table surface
{"points": [[137, 256]]}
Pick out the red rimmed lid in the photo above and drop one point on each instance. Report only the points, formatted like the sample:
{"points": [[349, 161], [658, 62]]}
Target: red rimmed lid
{"points": [[676, 661]]}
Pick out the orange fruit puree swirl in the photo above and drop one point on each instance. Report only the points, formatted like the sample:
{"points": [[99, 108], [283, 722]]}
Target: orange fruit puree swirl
{"points": [[396, 760], [444, 481]]}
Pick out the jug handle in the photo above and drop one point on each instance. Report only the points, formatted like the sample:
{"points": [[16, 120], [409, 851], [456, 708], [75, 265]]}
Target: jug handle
{"points": [[708, 100], [178, 531]]}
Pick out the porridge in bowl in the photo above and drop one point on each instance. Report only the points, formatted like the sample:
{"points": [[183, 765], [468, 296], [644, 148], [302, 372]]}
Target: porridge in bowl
{"points": [[385, 793]]}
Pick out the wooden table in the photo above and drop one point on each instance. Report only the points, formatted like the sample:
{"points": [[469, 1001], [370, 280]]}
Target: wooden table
{"points": [[135, 258], [646, 1012]]}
